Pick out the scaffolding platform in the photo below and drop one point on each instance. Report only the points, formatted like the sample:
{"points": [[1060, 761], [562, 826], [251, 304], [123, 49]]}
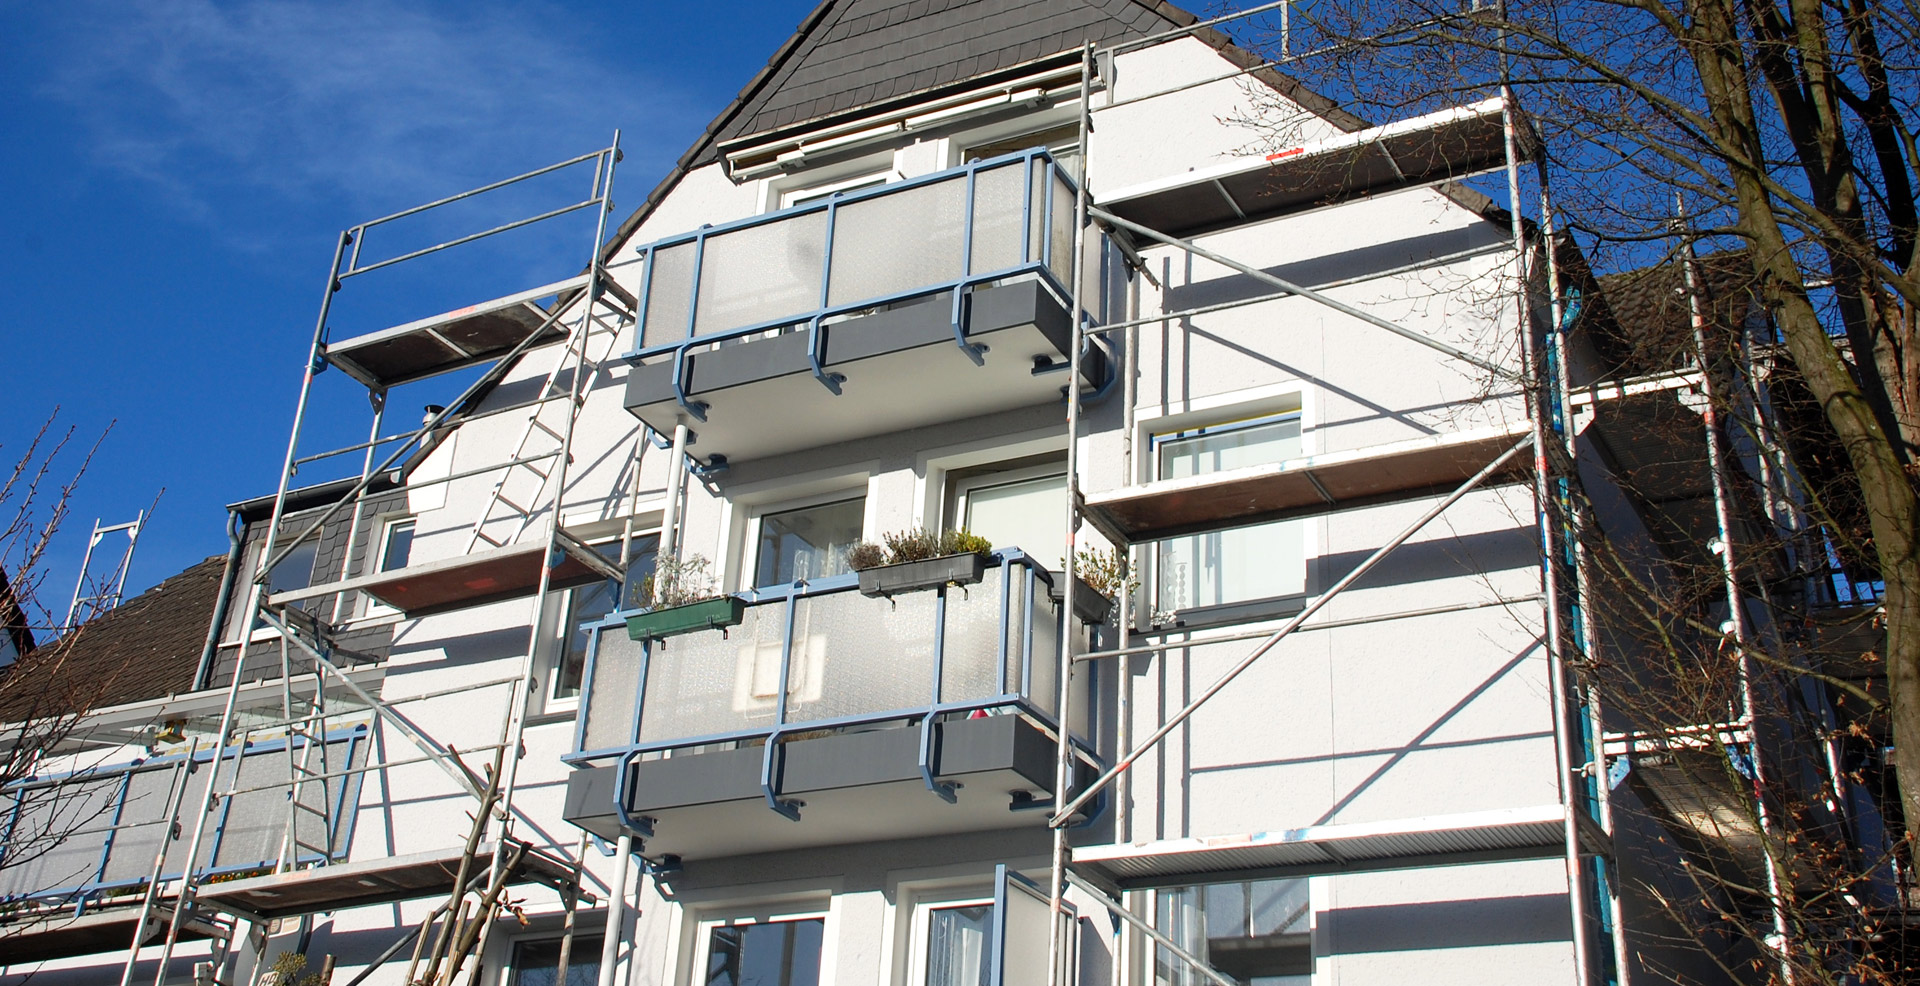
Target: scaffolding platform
{"points": [[1313, 484], [1507, 833], [468, 580], [1422, 150], [460, 338], [374, 881], [64, 935]]}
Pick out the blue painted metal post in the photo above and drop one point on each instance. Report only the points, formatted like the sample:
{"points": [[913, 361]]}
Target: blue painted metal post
{"points": [[944, 790], [788, 808]]}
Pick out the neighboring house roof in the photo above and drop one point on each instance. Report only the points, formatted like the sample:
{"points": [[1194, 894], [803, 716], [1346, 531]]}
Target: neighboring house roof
{"points": [[13, 618], [864, 54], [147, 647]]}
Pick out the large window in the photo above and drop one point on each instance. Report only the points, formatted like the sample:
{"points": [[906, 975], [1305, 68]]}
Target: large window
{"points": [[807, 543], [1258, 932], [762, 953], [1018, 508], [537, 963], [1265, 561]]}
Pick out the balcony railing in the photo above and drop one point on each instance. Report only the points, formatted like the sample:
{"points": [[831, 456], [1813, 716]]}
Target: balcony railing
{"points": [[984, 222], [85, 837], [847, 659]]}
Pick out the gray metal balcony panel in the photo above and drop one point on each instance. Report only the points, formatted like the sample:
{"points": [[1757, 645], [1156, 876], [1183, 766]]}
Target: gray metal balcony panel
{"points": [[855, 787], [902, 366]]}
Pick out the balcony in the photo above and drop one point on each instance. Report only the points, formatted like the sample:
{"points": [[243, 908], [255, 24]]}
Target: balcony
{"points": [[928, 713], [921, 301]]}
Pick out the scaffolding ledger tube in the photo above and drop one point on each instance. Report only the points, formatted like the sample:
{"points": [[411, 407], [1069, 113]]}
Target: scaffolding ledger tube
{"points": [[1291, 625]]}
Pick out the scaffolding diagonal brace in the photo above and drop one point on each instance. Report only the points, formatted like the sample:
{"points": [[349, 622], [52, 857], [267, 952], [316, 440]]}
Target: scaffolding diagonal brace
{"points": [[1305, 292], [1065, 814], [1150, 931], [440, 755]]}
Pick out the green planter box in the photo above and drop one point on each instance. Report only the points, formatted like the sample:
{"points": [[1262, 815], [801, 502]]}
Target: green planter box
{"points": [[710, 614]]}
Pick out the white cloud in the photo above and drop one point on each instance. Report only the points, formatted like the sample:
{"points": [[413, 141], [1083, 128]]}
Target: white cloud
{"points": [[374, 102]]}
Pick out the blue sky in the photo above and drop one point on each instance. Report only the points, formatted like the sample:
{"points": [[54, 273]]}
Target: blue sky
{"points": [[178, 171]]}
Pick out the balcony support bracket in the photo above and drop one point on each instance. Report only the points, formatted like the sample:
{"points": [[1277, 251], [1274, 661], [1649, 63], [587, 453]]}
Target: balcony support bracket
{"points": [[816, 357], [681, 368]]}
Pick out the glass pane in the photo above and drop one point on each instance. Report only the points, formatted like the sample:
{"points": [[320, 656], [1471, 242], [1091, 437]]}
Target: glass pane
{"points": [[1028, 514], [399, 546], [616, 679], [537, 963], [295, 571], [780, 953], [808, 543], [969, 659], [957, 945], [592, 603], [1258, 562], [669, 293], [762, 273], [1024, 951], [898, 242], [999, 198], [1257, 932]]}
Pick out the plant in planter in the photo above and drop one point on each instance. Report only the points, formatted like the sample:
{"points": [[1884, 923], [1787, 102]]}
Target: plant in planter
{"points": [[1102, 576], [919, 559], [680, 598]]}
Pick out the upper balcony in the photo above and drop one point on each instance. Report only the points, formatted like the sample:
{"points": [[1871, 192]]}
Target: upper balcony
{"points": [[926, 300], [925, 713]]}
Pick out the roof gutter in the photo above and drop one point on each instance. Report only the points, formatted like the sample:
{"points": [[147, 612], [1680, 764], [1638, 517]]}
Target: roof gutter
{"points": [[220, 602]]}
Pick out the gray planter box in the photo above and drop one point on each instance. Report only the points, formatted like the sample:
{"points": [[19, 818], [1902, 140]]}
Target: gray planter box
{"points": [[1091, 607], [909, 576]]}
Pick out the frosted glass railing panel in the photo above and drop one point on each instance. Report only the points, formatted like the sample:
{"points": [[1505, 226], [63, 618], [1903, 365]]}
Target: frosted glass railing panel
{"points": [[999, 204], [761, 273], [669, 294], [897, 242], [856, 656], [1061, 229], [969, 661], [699, 684], [1046, 652], [59, 835], [146, 812], [608, 716]]}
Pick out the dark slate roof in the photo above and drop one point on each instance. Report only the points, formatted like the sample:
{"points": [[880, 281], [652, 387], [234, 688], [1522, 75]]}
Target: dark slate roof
{"points": [[865, 52], [850, 55], [148, 647]]}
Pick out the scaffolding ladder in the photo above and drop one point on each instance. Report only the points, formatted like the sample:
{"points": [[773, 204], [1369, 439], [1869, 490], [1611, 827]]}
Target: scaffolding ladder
{"points": [[530, 549]]}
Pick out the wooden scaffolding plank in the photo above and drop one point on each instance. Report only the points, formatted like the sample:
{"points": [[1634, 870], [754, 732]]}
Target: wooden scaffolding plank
{"points": [[1308, 485], [40, 937], [1506, 833], [467, 580], [373, 881]]}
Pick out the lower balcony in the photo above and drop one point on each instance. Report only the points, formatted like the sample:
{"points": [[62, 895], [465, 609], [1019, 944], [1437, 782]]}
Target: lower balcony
{"points": [[931, 712]]}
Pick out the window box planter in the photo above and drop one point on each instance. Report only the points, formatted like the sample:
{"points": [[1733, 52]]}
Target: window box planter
{"points": [[1088, 604], [908, 576], [708, 614]]}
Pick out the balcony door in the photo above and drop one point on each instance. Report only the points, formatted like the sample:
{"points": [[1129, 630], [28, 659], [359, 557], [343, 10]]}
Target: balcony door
{"points": [[1018, 508]]}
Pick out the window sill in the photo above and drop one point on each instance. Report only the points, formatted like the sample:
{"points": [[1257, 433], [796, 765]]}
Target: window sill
{"points": [[1227, 614]]}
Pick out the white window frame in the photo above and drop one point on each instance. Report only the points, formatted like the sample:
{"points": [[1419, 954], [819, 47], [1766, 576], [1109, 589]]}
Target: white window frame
{"points": [[1290, 397], [749, 553], [372, 608], [512, 946], [246, 631], [694, 972], [921, 926]]}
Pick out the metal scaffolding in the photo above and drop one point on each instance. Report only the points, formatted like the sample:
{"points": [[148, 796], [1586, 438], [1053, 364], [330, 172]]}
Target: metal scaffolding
{"points": [[528, 555], [1445, 470]]}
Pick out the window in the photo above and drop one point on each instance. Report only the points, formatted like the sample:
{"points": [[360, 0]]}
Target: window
{"points": [[1017, 508], [537, 963], [957, 937], [295, 571], [396, 545], [808, 542], [1264, 561], [1063, 142], [783, 952], [816, 193], [590, 604], [1258, 932]]}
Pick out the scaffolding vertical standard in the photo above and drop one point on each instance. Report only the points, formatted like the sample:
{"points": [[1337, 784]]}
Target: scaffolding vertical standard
{"points": [[589, 311], [1584, 822]]}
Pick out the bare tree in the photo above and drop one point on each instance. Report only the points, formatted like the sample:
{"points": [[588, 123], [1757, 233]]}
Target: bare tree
{"points": [[1786, 127]]}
